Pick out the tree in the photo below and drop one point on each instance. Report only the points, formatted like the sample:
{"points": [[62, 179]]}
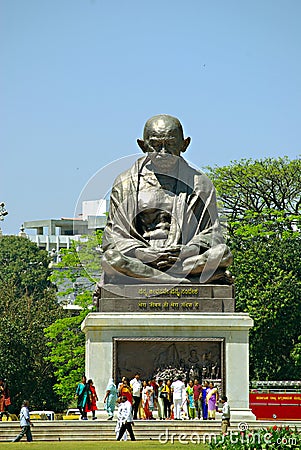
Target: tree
{"points": [[78, 269], [296, 355], [266, 184], [27, 305], [67, 349], [267, 269], [261, 203]]}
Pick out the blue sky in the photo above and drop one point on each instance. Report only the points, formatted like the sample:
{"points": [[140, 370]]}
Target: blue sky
{"points": [[79, 78]]}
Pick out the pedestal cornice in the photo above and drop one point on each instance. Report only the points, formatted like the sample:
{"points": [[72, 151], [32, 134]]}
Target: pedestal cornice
{"points": [[201, 321]]}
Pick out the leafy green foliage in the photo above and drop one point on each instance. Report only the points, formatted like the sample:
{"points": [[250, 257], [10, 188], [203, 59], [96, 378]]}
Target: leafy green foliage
{"points": [[262, 206], [25, 265], [67, 349], [296, 355], [267, 184], [267, 269], [79, 267], [27, 305]]}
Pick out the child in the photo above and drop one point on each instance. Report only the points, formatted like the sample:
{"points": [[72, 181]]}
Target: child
{"points": [[225, 414]]}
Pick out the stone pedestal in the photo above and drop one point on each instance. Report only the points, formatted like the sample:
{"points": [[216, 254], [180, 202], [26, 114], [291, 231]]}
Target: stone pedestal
{"points": [[165, 297], [103, 331]]}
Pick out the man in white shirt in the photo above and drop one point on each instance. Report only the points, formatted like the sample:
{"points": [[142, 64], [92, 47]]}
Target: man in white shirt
{"points": [[177, 388], [136, 386], [125, 415], [24, 423], [225, 414]]}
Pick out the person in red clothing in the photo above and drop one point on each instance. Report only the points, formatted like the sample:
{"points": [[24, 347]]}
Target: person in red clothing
{"points": [[147, 399], [126, 390], [92, 399]]}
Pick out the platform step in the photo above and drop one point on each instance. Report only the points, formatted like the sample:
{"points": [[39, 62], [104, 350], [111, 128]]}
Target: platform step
{"points": [[102, 430]]}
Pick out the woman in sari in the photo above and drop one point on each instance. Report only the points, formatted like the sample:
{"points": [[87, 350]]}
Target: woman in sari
{"points": [[82, 397], [125, 390], [211, 399], [147, 400], [110, 398], [91, 400]]}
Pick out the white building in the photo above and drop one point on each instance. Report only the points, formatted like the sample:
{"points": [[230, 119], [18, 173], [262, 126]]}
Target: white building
{"points": [[54, 234]]}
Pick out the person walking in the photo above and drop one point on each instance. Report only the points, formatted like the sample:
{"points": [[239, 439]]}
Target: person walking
{"points": [[82, 397], [91, 400], [126, 418], [120, 418], [25, 423], [110, 398]]}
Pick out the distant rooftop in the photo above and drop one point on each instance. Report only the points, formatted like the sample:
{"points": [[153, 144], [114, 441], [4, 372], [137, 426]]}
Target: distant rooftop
{"points": [[67, 227]]}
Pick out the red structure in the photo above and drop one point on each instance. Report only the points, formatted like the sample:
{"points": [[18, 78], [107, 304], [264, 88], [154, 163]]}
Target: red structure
{"points": [[276, 400]]}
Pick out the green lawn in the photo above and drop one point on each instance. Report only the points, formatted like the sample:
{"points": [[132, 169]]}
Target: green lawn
{"points": [[65, 445]]}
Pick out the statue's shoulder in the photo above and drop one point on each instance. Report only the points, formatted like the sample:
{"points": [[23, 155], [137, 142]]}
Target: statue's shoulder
{"points": [[130, 175], [201, 181]]}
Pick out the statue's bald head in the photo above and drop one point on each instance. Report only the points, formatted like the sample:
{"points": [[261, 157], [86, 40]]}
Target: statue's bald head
{"points": [[161, 123], [163, 133]]}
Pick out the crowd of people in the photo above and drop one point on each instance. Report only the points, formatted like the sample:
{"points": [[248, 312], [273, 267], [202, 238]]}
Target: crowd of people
{"points": [[136, 400], [173, 399]]}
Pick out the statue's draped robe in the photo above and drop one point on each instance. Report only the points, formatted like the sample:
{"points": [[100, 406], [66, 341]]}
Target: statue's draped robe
{"points": [[194, 216]]}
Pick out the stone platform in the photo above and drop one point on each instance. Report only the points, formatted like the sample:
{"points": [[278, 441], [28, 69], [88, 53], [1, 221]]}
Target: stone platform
{"points": [[149, 334], [160, 431], [147, 328]]}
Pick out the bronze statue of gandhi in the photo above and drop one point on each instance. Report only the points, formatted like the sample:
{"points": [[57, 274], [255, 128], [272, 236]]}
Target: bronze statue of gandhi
{"points": [[163, 224]]}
